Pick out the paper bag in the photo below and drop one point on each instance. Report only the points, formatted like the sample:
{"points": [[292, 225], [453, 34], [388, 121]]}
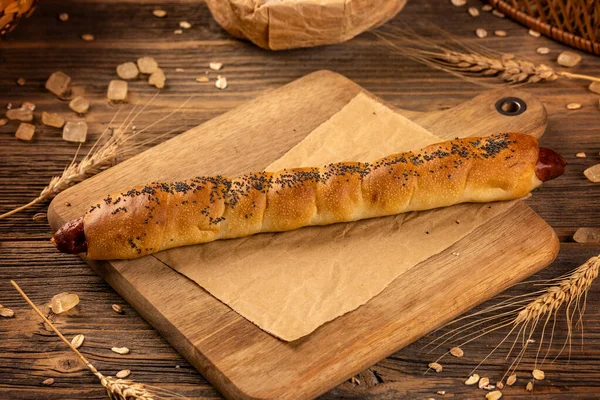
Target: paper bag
{"points": [[287, 24]]}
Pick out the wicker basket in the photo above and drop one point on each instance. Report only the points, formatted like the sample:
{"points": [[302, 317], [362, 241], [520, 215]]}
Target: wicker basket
{"points": [[11, 11], [573, 22]]}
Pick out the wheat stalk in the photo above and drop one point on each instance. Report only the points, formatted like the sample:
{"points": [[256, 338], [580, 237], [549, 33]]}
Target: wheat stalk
{"points": [[467, 62], [99, 157], [524, 314], [117, 389]]}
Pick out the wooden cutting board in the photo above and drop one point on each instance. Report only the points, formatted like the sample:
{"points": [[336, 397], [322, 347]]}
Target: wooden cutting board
{"points": [[241, 360]]}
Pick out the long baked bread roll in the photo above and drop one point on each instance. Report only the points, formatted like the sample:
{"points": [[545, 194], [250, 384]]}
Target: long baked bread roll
{"points": [[159, 216]]}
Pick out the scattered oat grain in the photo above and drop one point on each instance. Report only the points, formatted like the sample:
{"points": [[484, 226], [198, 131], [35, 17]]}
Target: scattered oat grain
{"points": [[202, 79], [117, 308], [534, 33], [495, 395], [458, 3], [3, 121], [498, 14], [123, 374], [473, 11], [538, 374], [185, 25], [543, 50], [120, 350], [500, 385], [511, 380], [437, 367], [178, 31], [489, 387], [88, 37], [455, 253], [25, 131], [483, 382], [48, 382], [481, 33], [64, 17], [221, 82], [574, 106], [21, 81], [487, 7], [568, 59], [473, 379], [441, 392], [39, 217], [77, 341], [215, 66], [500, 33], [9, 106], [457, 351], [529, 386], [159, 13], [6, 312], [580, 155], [179, 70]]}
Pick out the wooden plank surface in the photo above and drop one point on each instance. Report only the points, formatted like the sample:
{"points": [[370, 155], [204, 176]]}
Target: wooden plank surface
{"points": [[126, 30], [233, 353]]}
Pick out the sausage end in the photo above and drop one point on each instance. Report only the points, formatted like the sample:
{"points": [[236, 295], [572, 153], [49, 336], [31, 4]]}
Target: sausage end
{"points": [[550, 165], [70, 238]]}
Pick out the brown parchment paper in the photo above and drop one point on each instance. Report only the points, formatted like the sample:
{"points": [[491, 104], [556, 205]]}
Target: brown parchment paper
{"points": [[289, 284], [286, 24]]}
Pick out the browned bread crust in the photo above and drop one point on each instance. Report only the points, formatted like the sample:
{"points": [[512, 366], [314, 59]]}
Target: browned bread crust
{"points": [[159, 216]]}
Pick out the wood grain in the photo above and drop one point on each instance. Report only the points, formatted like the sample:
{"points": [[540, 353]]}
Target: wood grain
{"points": [[244, 362], [125, 30]]}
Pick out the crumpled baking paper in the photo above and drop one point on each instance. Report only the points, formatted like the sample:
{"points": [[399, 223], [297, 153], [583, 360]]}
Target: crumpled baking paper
{"points": [[290, 283]]}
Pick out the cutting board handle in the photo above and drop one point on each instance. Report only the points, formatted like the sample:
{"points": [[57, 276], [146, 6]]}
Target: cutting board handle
{"points": [[497, 111]]}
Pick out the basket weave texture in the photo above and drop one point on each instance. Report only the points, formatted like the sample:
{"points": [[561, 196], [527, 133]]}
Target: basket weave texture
{"points": [[573, 22], [11, 11]]}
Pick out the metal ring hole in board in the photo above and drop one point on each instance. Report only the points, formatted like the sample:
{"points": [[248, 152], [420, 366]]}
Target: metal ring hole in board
{"points": [[511, 106]]}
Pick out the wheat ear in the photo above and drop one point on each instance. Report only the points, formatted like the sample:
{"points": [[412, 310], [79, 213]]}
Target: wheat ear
{"points": [[524, 314], [99, 157], [468, 62], [117, 389]]}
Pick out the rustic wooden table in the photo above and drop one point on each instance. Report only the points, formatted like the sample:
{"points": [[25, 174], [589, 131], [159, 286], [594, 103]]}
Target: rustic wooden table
{"points": [[126, 30]]}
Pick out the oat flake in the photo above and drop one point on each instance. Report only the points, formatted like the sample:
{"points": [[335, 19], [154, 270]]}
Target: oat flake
{"points": [[221, 82], [473, 379], [120, 350], [77, 341], [123, 374], [457, 352], [437, 367]]}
